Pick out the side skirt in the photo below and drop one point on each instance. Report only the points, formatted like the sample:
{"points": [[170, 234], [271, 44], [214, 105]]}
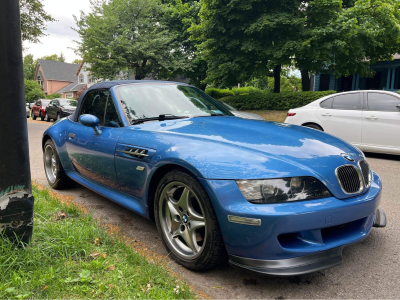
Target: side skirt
{"points": [[123, 199]]}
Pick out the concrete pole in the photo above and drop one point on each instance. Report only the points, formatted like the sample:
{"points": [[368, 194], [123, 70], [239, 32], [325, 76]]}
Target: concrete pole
{"points": [[16, 200]]}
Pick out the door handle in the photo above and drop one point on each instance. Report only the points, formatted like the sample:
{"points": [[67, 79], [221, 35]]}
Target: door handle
{"points": [[371, 118], [71, 135], [326, 115]]}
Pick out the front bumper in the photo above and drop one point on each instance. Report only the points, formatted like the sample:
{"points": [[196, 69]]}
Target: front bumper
{"points": [[292, 238]]}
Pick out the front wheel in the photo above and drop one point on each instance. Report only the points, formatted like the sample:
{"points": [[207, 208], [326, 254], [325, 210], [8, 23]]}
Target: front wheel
{"points": [[55, 173], [187, 222], [33, 115]]}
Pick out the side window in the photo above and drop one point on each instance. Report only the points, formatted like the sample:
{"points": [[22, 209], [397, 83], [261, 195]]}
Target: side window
{"points": [[327, 103], [94, 104], [111, 118], [346, 102], [383, 102], [37, 103]]}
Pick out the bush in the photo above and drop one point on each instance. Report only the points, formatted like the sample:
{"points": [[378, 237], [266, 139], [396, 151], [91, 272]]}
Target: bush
{"points": [[274, 101], [219, 93], [33, 91], [53, 96], [248, 90]]}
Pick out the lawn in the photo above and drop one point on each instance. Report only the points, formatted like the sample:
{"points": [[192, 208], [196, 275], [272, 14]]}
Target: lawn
{"points": [[271, 115], [72, 256]]}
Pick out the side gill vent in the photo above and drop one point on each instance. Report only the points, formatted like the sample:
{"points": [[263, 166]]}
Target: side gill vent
{"points": [[135, 152]]}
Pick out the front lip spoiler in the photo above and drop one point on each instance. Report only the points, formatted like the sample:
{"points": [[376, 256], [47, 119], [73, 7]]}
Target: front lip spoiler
{"points": [[291, 266]]}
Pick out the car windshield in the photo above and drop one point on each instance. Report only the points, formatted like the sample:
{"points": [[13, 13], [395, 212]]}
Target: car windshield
{"points": [[231, 108], [68, 102], [141, 101]]}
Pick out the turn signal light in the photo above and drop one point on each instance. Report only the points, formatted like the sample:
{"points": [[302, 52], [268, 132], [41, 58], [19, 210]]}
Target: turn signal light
{"points": [[291, 114]]}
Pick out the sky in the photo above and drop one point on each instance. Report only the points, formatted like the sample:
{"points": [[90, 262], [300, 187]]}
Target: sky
{"points": [[60, 37]]}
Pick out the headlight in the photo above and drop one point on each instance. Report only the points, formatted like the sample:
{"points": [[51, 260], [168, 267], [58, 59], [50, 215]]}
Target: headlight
{"points": [[282, 189]]}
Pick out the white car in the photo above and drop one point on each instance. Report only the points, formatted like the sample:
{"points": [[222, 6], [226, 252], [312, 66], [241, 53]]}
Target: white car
{"points": [[370, 120], [241, 114]]}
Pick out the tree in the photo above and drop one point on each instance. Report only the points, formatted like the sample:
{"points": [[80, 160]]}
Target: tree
{"points": [[55, 57], [77, 61], [29, 67], [243, 40], [33, 20], [179, 16], [33, 91], [123, 35]]}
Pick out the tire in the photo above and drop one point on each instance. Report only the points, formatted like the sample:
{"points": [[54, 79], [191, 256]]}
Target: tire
{"points": [[58, 116], [314, 126], [41, 116], [205, 248], [33, 115], [53, 169], [46, 117]]}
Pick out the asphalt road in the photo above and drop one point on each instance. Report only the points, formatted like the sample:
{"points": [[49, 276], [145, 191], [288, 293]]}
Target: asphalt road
{"points": [[370, 269]]}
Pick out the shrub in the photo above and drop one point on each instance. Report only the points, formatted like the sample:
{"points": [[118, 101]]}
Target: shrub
{"points": [[219, 93], [274, 101], [33, 91], [53, 96]]}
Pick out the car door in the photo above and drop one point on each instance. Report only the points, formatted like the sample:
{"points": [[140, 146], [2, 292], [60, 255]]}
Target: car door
{"points": [[381, 121], [50, 109], [93, 155], [341, 115]]}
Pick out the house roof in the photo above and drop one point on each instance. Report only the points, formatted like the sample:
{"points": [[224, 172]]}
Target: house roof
{"points": [[55, 70], [73, 87]]}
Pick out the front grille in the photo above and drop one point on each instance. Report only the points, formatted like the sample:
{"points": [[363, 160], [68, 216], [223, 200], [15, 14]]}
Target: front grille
{"points": [[364, 166], [349, 179]]}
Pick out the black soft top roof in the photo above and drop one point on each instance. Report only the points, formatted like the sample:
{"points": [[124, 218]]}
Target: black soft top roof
{"points": [[110, 84]]}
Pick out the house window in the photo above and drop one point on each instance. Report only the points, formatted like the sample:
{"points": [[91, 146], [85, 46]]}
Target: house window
{"points": [[81, 78], [90, 79], [69, 95]]}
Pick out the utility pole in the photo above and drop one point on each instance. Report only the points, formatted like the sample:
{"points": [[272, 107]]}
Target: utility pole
{"points": [[16, 200]]}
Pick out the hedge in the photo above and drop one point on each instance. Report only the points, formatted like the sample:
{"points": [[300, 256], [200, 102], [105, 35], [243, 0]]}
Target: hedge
{"points": [[220, 93], [274, 101]]}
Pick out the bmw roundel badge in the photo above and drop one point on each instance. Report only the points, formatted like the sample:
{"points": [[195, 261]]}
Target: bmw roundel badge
{"points": [[347, 157]]}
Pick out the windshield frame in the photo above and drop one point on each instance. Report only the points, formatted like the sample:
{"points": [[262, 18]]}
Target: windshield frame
{"points": [[64, 100], [117, 94]]}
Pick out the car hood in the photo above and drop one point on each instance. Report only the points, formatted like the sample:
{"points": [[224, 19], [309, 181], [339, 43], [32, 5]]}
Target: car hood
{"points": [[235, 148], [247, 115], [68, 107]]}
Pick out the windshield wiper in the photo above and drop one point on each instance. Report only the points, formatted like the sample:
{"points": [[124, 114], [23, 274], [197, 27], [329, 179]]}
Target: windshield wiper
{"points": [[159, 118]]}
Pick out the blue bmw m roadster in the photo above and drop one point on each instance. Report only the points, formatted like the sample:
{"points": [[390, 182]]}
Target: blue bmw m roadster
{"points": [[272, 198]]}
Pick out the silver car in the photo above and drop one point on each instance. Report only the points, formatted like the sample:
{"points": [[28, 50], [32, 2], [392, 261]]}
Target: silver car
{"points": [[241, 114]]}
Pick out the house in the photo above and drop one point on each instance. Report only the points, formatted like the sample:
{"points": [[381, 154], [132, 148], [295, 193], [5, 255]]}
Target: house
{"points": [[387, 77], [54, 75], [83, 80]]}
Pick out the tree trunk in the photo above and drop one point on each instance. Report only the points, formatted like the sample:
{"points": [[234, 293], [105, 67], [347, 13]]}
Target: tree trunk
{"points": [[141, 70], [277, 78], [305, 80]]}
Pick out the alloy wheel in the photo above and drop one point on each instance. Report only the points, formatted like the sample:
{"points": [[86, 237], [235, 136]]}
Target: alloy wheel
{"points": [[182, 220], [50, 164]]}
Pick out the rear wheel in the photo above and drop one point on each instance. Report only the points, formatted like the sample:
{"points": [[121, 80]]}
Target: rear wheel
{"points": [[314, 126], [46, 117], [58, 116], [55, 173], [187, 222], [41, 116]]}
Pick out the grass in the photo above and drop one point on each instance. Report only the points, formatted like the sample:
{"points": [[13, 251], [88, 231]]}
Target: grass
{"points": [[271, 115], [71, 256]]}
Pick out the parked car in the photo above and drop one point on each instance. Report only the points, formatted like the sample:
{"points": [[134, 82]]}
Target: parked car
{"points": [[59, 108], [278, 199], [370, 120], [28, 112], [29, 105], [39, 109], [241, 114]]}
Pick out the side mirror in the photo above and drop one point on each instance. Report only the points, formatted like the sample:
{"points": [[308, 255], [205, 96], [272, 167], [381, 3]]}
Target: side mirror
{"points": [[90, 121]]}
